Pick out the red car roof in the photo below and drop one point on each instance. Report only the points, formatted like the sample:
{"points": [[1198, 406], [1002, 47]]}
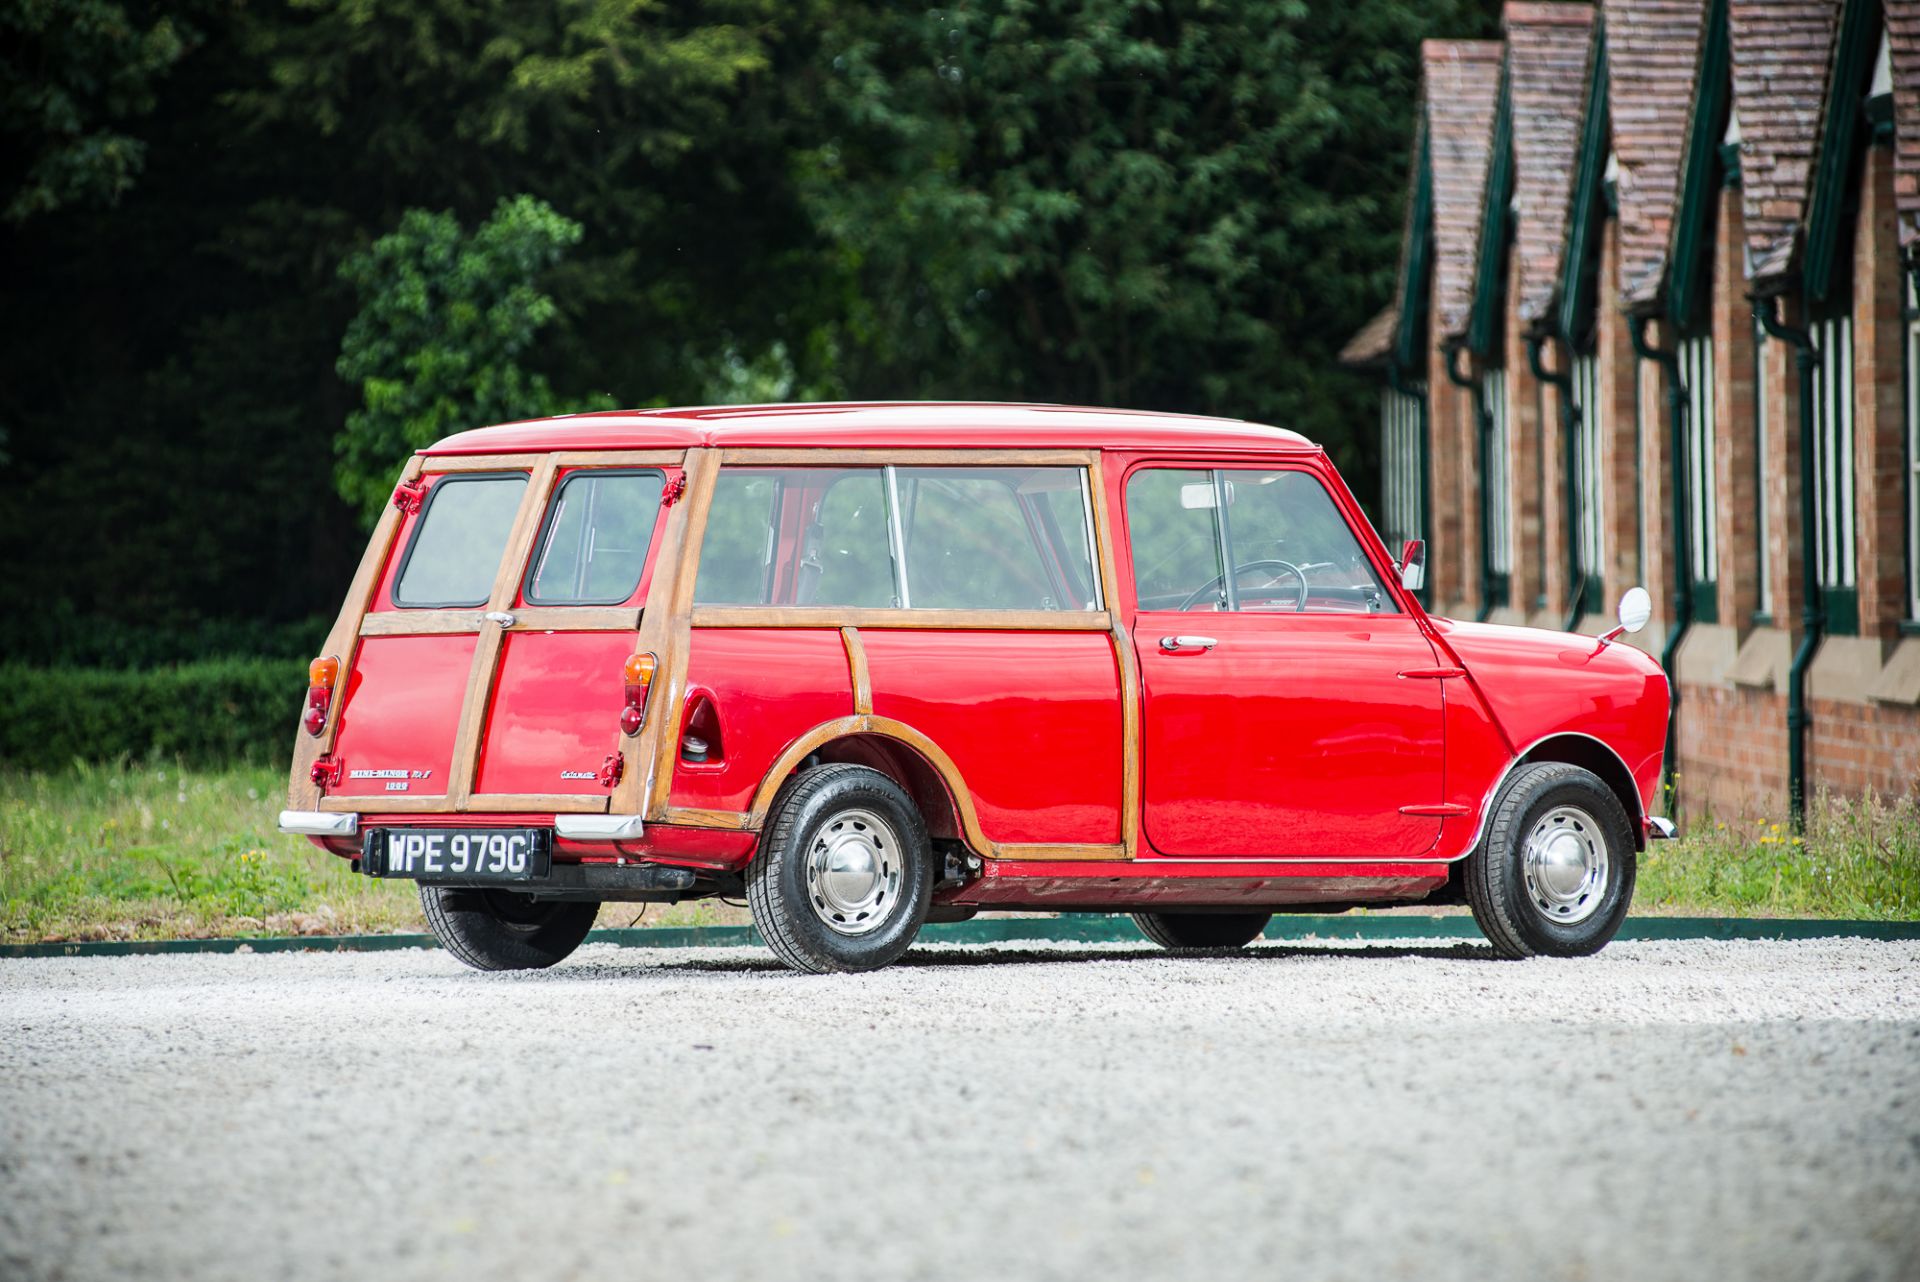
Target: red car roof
{"points": [[911, 424]]}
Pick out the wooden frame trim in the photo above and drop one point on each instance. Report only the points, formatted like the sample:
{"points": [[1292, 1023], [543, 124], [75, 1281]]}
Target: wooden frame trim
{"points": [[486, 651], [575, 618], [905, 456], [848, 616], [384, 803], [1125, 660], [671, 637], [557, 803], [693, 817], [420, 623], [343, 641], [619, 458], [857, 675], [437, 464]]}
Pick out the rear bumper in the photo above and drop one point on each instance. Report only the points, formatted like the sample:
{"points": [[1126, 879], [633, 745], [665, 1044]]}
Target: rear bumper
{"points": [[320, 823]]}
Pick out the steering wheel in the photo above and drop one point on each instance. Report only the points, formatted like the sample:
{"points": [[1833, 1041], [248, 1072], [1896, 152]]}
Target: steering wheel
{"points": [[1284, 567]]}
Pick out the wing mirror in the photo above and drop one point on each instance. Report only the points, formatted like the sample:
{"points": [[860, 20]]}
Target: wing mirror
{"points": [[1413, 565], [1636, 607]]}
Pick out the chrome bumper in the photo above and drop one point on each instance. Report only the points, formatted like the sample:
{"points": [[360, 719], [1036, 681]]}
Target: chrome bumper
{"points": [[319, 823], [1659, 829], [599, 827]]}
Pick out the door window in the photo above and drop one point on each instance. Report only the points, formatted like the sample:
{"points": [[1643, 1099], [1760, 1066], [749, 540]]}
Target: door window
{"points": [[595, 543], [457, 544], [1288, 547]]}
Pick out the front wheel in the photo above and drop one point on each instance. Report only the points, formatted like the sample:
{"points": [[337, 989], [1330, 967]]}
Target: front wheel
{"points": [[1202, 930], [843, 876], [1554, 874], [504, 930]]}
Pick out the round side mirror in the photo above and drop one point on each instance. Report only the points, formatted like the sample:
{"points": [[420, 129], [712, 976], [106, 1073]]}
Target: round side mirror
{"points": [[1636, 607]]}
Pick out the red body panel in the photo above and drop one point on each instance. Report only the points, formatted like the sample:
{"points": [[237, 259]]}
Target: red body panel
{"points": [[1294, 736], [555, 713], [402, 709], [1031, 719], [768, 687]]}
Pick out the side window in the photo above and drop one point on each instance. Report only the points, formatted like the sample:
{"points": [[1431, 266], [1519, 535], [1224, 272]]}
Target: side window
{"points": [[973, 538], [596, 539], [796, 536], [981, 539], [1176, 555], [1290, 549], [457, 544]]}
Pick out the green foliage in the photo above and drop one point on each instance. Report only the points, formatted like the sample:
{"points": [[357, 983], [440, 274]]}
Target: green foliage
{"points": [[446, 320], [1182, 207], [220, 710], [70, 71]]}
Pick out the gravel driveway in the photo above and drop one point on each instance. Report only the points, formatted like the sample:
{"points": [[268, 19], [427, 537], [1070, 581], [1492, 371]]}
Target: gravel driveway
{"points": [[1664, 1110]]}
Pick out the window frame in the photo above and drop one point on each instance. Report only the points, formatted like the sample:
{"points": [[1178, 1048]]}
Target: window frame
{"points": [[1910, 375], [420, 525], [1835, 540], [887, 468], [552, 514], [1699, 363], [1394, 602]]}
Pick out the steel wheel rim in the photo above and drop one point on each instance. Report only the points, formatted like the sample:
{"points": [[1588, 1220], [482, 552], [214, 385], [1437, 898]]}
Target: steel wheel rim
{"points": [[853, 869], [1565, 865]]}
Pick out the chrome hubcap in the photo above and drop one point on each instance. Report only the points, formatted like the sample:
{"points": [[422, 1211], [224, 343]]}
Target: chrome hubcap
{"points": [[853, 872], [1565, 865]]}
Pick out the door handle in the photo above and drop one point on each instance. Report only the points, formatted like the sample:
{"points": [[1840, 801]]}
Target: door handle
{"points": [[500, 617], [1171, 644]]}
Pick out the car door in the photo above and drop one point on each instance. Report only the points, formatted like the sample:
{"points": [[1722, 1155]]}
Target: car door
{"points": [[1289, 704]]}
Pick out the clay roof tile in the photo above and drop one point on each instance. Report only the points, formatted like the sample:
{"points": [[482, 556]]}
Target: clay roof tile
{"points": [[1460, 86], [1547, 48], [1782, 51], [1652, 53]]}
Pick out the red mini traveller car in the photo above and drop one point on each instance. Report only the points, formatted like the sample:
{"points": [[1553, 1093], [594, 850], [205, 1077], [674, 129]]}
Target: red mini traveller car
{"points": [[871, 666]]}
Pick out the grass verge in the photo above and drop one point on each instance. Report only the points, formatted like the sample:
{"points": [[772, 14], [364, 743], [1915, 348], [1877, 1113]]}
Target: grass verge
{"points": [[162, 852]]}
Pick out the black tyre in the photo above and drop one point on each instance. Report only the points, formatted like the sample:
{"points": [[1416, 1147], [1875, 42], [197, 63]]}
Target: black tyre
{"points": [[843, 876], [504, 930], [1202, 930], [1553, 875]]}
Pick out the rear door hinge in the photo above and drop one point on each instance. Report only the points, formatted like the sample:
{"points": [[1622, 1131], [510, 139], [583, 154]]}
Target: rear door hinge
{"points": [[1432, 674], [674, 489], [612, 769], [328, 770], [409, 495]]}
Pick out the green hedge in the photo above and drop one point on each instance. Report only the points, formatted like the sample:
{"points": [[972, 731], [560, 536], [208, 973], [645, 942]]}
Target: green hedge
{"points": [[217, 712]]}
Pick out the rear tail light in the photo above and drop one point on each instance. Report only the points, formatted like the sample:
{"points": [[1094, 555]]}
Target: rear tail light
{"points": [[322, 674], [639, 679]]}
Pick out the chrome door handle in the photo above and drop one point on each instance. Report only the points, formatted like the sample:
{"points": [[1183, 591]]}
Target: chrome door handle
{"points": [[1170, 644], [500, 617]]}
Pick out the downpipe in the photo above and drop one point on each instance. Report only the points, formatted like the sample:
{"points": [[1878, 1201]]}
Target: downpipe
{"points": [[1669, 362], [1813, 615], [1569, 429], [1483, 428]]}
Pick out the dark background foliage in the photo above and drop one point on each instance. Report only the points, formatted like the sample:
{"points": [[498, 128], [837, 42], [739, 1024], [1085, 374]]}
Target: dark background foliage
{"points": [[1180, 206]]}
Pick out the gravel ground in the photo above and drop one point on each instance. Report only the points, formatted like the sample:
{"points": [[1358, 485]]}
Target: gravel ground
{"points": [[1663, 1110]]}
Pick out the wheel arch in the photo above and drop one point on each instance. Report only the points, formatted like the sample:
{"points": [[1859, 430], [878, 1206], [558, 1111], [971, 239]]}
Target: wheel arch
{"points": [[896, 750], [1593, 755]]}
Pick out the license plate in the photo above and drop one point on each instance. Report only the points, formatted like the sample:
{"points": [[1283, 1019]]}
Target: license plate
{"points": [[463, 855]]}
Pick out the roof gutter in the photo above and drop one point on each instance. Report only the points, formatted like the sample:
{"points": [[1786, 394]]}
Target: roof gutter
{"points": [[1483, 420], [1682, 550], [1569, 431], [1813, 615]]}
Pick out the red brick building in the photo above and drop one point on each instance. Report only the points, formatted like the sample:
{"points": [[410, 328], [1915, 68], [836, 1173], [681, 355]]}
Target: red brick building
{"points": [[1657, 324]]}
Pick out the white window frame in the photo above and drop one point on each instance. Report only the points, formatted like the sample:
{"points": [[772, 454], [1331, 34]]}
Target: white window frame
{"points": [[1833, 495], [1499, 478], [1586, 462], [1400, 466], [1762, 437], [1697, 370]]}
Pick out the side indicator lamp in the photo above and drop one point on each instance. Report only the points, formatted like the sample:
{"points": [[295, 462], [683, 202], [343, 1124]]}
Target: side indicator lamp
{"points": [[639, 680], [322, 676]]}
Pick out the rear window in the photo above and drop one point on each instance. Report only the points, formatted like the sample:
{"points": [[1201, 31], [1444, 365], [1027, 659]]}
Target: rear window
{"points": [[457, 545], [987, 538], [595, 543]]}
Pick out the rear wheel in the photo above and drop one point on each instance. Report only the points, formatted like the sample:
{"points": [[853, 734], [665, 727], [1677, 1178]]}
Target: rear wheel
{"points": [[843, 876], [1202, 930], [1554, 874], [503, 930]]}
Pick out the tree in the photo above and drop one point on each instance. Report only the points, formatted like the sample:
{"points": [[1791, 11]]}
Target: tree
{"points": [[446, 322], [1180, 207], [70, 71]]}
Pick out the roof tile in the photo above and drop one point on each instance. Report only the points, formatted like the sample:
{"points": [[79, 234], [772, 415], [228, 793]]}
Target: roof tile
{"points": [[1460, 87], [1547, 50], [1903, 39], [1782, 51], [1374, 340], [1652, 55]]}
